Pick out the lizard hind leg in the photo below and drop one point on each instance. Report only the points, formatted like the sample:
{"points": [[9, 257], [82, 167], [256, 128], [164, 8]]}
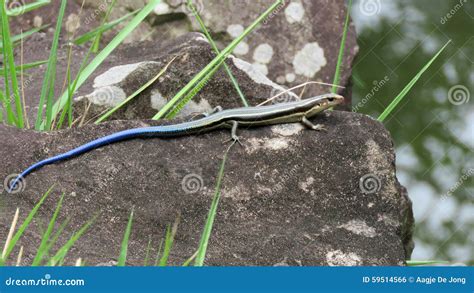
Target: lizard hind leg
{"points": [[310, 125], [233, 133]]}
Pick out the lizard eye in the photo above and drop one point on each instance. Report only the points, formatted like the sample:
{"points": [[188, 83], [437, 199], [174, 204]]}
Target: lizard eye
{"points": [[331, 99]]}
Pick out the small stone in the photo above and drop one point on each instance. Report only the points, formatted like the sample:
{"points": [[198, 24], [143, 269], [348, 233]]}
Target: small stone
{"points": [[37, 21], [162, 8], [73, 23]]}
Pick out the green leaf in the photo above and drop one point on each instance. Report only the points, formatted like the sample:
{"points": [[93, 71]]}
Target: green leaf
{"points": [[26, 66], [123, 251], [9, 72], [206, 234], [413, 263], [89, 69], [63, 251], [23, 227], [103, 28], [408, 87], [43, 248], [340, 57], [47, 90], [214, 46], [132, 96], [27, 7]]}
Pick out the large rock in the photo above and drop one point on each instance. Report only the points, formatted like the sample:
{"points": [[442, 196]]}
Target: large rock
{"points": [[187, 56], [290, 197], [298, 42]]}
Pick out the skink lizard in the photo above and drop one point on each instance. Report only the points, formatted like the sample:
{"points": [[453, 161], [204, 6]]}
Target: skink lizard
{"points": [[297, 111]]}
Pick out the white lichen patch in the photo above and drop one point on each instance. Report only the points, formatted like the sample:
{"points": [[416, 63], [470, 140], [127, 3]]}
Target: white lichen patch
{"points": [[309, 60], [359, 227], [294, 12], [339, 258], [259, 77], [235, 30], [262, 68], [241, 49], [162, 8], [305, 185], [290, 77], [263, 53], [115, 74], [273, 144], [290, 129], [157, 102], [236, 193]]}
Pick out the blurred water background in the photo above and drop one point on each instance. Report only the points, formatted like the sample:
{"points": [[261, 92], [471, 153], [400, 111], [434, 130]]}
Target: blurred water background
{"points": [[433, 128]]}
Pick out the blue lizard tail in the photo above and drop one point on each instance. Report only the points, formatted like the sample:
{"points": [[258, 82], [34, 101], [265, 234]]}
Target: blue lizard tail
{"points": [[119, 136]]}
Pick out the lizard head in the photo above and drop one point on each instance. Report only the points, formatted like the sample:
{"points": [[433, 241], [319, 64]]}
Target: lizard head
{"points": [[323, 102]]}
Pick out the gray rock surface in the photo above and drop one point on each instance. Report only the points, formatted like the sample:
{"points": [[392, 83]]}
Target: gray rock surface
{"points": [[290, 197], [298, 42]]}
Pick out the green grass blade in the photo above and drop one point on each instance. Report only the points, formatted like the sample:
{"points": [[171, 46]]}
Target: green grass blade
{"points": [[43, 248], [190, 95], [16, 38], [206, 235], [56, 235], [123, 250], [63, 251], [132, 96], [214, 46], [9, 63], [26, 66], [166, 250], [89, 69], [158, 253], [24, 226], [47, 90], [218, 59], [147, 253], [96, 44], [408, 87], [103, 28], [413, 263], [27, 7], [340, 57], [169, 240]]}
